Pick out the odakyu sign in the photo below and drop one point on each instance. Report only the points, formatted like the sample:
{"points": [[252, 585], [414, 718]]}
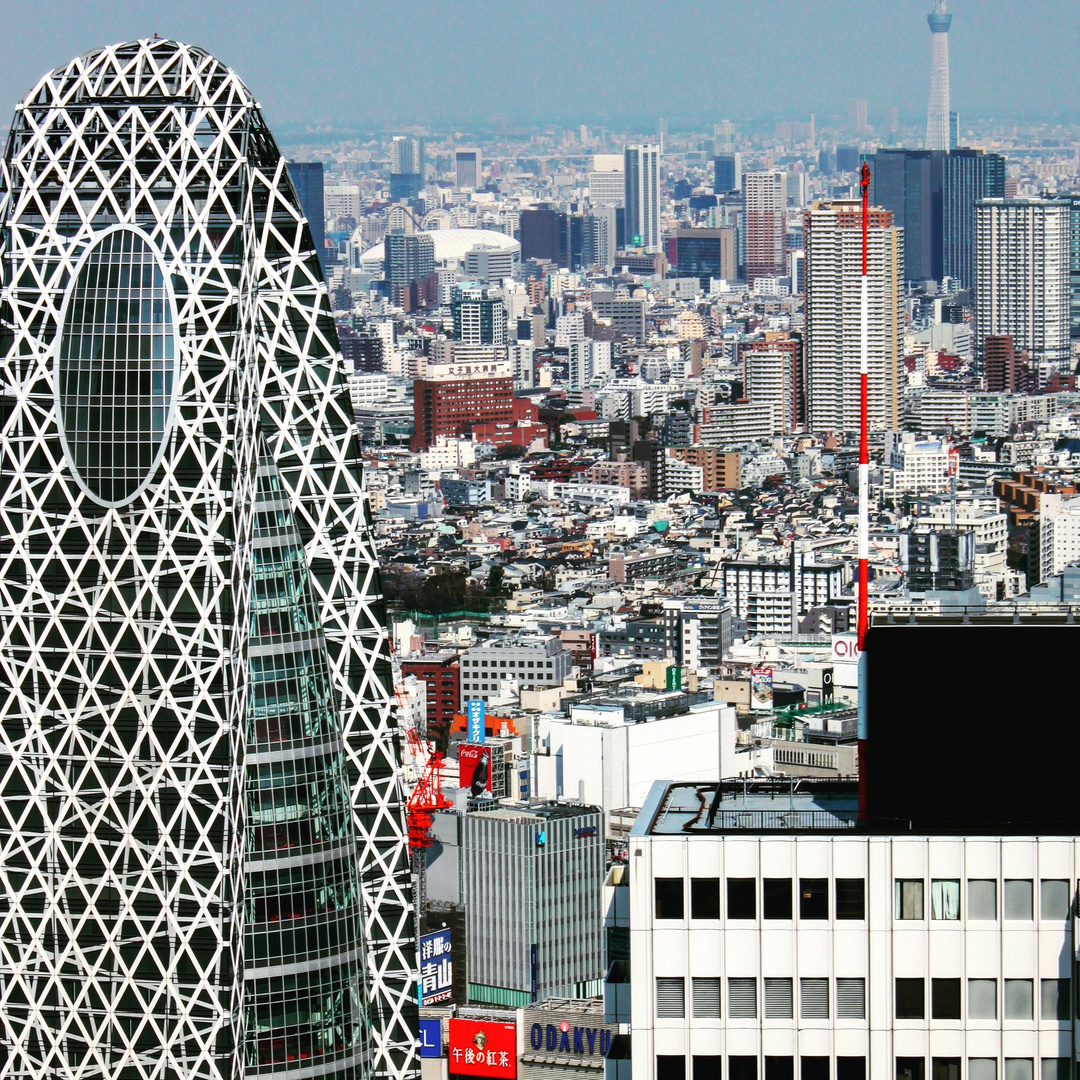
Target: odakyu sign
{"points": [[566, 1038]]}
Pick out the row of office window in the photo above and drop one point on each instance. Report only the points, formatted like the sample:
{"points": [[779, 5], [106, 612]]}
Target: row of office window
{"points": [[1018, 899], [780, 899], [509, 663], [1018, 999], [1017, 1002], [777, 898], [711, 1067], [742, 999]]}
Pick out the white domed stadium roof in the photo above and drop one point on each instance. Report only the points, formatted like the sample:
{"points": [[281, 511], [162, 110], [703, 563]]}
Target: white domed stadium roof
{"points": [[452, 244]]}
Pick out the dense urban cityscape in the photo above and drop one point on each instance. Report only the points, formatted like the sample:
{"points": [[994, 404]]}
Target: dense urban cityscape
{"points": [[531, 602]]}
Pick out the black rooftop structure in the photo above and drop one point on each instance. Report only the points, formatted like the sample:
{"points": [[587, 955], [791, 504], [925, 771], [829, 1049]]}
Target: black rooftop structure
{"points": [[973, 728]]}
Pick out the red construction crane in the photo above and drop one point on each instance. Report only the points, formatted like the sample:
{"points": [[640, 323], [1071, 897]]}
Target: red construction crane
{"points": [[427, 796]]}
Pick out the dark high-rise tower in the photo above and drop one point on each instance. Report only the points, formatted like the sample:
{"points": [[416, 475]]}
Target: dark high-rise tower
{"points": [[307, 178], [909, 183], [970, 175], [200, 815], [406, 167]]}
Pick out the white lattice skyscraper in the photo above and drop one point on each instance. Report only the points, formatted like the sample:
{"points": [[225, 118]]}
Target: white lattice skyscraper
{"points": [[937, 118], [202, 837]]}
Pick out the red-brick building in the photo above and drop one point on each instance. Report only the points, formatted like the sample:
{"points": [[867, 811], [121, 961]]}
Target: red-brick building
{"points": [[455, 406], [440, 672]]}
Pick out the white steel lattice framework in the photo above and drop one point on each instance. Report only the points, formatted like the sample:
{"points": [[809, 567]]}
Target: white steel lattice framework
{"points": [[194, 667], [937, 115]]}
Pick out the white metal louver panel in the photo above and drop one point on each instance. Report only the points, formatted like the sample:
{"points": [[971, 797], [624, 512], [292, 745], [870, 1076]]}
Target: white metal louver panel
{"points": [[779, 995], [742, 999], [670, 998], [706, 999], [814, 999], [851, 999]]}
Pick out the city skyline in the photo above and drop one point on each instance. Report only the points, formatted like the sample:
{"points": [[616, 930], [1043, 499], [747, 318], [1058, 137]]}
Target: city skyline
{"points": [[307, 68]]}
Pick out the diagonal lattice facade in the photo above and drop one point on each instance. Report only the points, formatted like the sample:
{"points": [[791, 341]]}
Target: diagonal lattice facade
{"points": [[202, 837]]}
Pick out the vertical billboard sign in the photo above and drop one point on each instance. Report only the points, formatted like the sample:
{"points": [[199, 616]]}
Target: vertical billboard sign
{"points": [[761, 695], [436, 967], [475, 715], [474, 769]]}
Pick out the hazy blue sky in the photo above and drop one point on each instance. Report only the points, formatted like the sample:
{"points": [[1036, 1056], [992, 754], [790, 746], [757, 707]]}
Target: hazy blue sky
{"points": [[593, 61]]}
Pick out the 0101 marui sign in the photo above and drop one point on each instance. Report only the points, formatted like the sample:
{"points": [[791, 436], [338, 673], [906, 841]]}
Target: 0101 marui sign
{"points": [[436, 968], [482, 1048]]}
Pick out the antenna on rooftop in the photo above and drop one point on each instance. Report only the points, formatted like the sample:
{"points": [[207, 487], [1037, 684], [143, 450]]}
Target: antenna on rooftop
{"points": [[864, 492]]}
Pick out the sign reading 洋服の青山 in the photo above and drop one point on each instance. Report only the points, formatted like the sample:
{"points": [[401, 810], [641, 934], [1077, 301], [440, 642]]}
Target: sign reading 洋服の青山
{"points": [[436, 968]]}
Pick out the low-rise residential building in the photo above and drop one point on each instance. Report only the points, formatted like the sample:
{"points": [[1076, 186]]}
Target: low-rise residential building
{"points": [[626, 567], [739, 424], [721, 469], [917, 465], [638, 639], [697, 632]]}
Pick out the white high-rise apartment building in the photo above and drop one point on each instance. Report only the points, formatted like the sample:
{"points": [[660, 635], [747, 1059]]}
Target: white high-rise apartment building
{"points": [[1059, 533], [642, 196], [588, 360], [937, 117], [1022, 282], [833, 238], [771, 939], [520, 354], [569, 329], [768, 380], [765, 200], [407, 155]]}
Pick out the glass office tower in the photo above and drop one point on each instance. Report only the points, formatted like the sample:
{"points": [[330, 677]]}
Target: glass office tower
{"points": [[202, 838]]}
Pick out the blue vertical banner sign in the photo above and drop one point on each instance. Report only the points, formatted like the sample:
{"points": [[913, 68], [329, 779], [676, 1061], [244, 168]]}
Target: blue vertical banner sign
{"points": [[474, 712], [436, 968], [534, 961]]}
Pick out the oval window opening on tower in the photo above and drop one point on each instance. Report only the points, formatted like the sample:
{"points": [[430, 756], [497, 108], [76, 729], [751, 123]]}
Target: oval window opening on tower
{"points": [[116, 367]]}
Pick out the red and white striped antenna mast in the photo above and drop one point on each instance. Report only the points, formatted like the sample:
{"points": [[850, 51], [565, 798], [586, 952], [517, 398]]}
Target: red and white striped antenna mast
{"points": [[864, 492]]}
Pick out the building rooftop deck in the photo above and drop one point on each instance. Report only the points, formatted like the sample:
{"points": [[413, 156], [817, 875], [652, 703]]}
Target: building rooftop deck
{"points": [[786, 805]]}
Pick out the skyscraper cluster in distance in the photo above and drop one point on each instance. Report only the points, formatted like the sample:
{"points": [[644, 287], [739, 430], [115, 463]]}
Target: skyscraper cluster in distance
{"points": [[428, 591]]}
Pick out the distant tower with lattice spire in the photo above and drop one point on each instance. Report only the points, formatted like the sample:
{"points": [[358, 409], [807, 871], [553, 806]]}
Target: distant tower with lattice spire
{"points": [[937, 119]]}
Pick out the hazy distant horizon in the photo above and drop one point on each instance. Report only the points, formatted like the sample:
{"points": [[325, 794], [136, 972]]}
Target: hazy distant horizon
{"points": [[359, 66]]}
